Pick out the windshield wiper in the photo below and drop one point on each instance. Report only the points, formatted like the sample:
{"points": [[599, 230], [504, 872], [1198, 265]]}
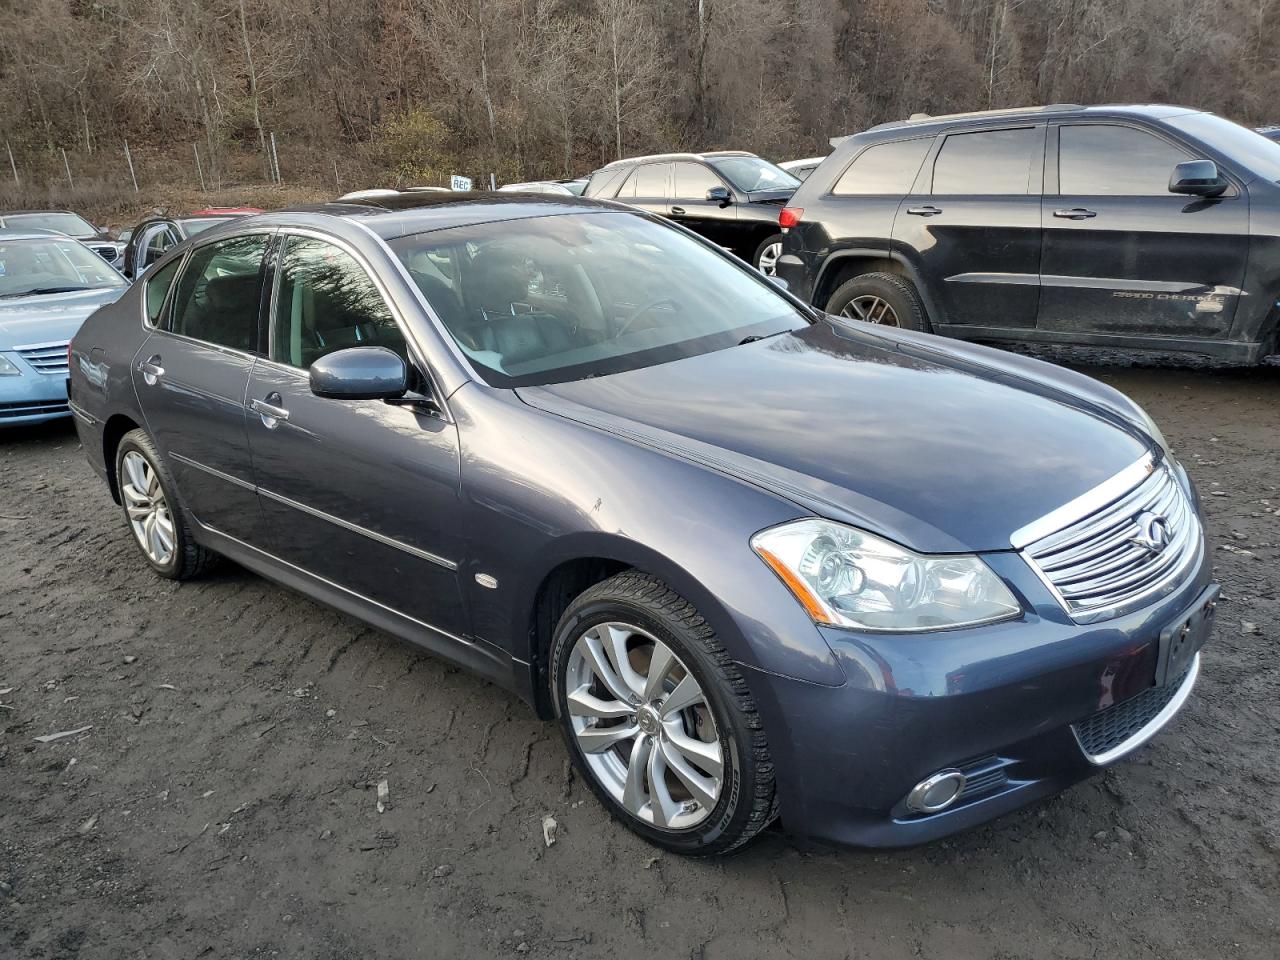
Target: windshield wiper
{"points": [[42, 290]]}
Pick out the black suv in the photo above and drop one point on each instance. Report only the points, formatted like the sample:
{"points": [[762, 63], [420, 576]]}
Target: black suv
{"points": [[1140, 227], [728, 196]]}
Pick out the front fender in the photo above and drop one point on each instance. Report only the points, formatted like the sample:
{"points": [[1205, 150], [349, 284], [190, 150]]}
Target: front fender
{"points": [[541, 490]]}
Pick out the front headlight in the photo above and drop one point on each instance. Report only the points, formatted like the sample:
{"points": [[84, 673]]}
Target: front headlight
{"points": [[846, 578], [8, 368]]}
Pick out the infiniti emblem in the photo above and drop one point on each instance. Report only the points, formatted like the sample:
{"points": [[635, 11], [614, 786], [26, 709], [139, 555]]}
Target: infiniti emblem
{"points": [[1153, 532]]}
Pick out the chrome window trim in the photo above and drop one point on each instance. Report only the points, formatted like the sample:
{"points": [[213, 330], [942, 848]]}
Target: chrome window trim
{"points": [[1088, 502], [410, 338], [1151, 727], [319, 514]]}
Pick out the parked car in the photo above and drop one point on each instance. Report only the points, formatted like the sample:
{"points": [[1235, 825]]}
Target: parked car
{"points": [[48, 285], [577, 186], [542, 186], [149, 240], [97, 239], [1149, 227], [730, 197], [800, 169], [1271, 133], [898, 586]]}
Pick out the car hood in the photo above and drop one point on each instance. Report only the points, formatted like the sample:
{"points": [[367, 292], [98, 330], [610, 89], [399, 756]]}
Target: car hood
{"points": [[939, 451], [50, 317]]}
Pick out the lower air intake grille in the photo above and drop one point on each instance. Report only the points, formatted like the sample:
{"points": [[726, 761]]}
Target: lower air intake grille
{"points": [[1110, 729], [11, 411]]}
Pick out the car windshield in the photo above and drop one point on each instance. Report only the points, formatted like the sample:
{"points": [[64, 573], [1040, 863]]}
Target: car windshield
{"points": [[750, 174], [34, 267], [558, 298], [199, 225], [1247, 147], [72, 224]]}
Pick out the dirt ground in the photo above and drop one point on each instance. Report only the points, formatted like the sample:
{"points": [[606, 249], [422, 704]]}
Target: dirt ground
{"points": [[224, 801]]}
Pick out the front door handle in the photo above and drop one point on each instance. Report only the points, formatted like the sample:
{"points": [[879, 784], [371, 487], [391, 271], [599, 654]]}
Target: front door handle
{"points": [[924, 211], [677, 211], [151, 370], [271, 414], [1075, 213]]}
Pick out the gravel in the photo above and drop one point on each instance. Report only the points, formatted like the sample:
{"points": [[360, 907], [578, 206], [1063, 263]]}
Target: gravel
{"points": [[223, 803]]}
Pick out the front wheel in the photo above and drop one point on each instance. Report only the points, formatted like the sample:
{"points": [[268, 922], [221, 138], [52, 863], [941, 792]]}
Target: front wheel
{"points": [[882, 298], [767, 254], [658, 720]]}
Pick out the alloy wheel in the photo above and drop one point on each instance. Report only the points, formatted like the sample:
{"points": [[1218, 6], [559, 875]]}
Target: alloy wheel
{"points": [[147, 508], [769, 259], [644, 726], [872, 309]]}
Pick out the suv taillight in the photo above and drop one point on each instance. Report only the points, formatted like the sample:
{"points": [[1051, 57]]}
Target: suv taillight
{"points": [[790, 216]]}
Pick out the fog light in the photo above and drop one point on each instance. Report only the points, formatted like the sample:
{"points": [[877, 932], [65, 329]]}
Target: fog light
{"points": [[936, 793]]}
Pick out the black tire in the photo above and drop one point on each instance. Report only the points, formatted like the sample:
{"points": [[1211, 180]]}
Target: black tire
{"points": [[760, 252], [897, 292], [189, 559], [747, 801]]}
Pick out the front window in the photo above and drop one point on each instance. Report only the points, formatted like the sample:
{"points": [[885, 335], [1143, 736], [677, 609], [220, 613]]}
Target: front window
{"points": [[1088, 164], [558, 298], [36, 267], [1250, 149], [72, 224], [751, 174]]}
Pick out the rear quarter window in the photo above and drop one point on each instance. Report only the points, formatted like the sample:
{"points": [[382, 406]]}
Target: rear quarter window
{"points": [[884, 168], [157, 288]]}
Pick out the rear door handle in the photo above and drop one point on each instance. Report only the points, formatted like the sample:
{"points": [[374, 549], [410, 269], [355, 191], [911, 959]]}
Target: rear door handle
{"points": [[271, 415], [924, 211], [1075, 213], [677, 211], [151, 370]]}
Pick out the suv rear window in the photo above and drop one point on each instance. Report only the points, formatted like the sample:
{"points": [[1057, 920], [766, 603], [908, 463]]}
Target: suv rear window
{"points": [[990, 162], [885, 168]]}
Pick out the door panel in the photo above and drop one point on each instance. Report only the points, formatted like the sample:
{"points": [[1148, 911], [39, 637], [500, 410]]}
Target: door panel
{"points": [[1124, 256], [360, 492], [690, 206], [975, 235], [191, 381]]}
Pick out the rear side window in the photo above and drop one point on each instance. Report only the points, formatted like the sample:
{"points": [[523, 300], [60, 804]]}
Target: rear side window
{"points": [[217, 300], [990, 162], [649, 181], [693, 180], [158, 285], [886, 168], [1098, 160], [326, 302], [604, 183]]}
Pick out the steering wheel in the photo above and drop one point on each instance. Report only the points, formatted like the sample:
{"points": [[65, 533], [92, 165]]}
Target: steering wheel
{"points": [[641, 311]]}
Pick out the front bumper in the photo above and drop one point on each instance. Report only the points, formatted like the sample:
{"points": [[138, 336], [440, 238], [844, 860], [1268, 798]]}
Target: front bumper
{"points": [[999, 702], [31, 397]]}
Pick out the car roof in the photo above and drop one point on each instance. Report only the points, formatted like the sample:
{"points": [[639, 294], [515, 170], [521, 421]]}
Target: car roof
{"points": [[15, 213], [404, 214], [708, 155], [31, 233], [924, 122]]}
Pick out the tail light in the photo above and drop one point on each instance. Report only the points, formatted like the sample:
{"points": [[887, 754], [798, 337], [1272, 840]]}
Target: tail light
{"points": [[790, 216]]}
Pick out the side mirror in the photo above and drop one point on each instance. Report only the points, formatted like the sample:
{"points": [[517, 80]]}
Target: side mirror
{"points": [[720, 195], [360, 373], [1197, 178]]}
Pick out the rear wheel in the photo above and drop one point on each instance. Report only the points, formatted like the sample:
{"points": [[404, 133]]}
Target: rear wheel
{"points": [[767, 254], [658, 719], [882, 298], [153, 513]]}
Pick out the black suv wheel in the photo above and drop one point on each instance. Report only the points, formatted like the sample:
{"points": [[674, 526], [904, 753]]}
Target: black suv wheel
{"points": [[883, 298]]}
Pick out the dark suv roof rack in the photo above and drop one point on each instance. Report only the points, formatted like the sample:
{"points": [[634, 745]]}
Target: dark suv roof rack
{"points": [[680, 156], [978, 114]]}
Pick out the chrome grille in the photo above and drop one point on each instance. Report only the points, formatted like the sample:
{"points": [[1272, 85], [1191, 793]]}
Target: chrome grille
{"points": [[1097, 565], [48, 358], [106, 251]]}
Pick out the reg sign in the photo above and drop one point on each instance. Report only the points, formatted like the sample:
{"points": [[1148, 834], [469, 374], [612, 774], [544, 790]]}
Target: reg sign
{"points": [[459, 183]]}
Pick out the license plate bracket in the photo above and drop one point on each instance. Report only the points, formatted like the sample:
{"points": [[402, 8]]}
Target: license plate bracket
{"points": [[1181, 640]]}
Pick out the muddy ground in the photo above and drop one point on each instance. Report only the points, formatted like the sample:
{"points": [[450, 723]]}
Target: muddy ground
{"points": [[224, 802]]}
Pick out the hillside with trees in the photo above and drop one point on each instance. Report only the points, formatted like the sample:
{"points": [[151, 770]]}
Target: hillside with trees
{"points": [[390, 92]]}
